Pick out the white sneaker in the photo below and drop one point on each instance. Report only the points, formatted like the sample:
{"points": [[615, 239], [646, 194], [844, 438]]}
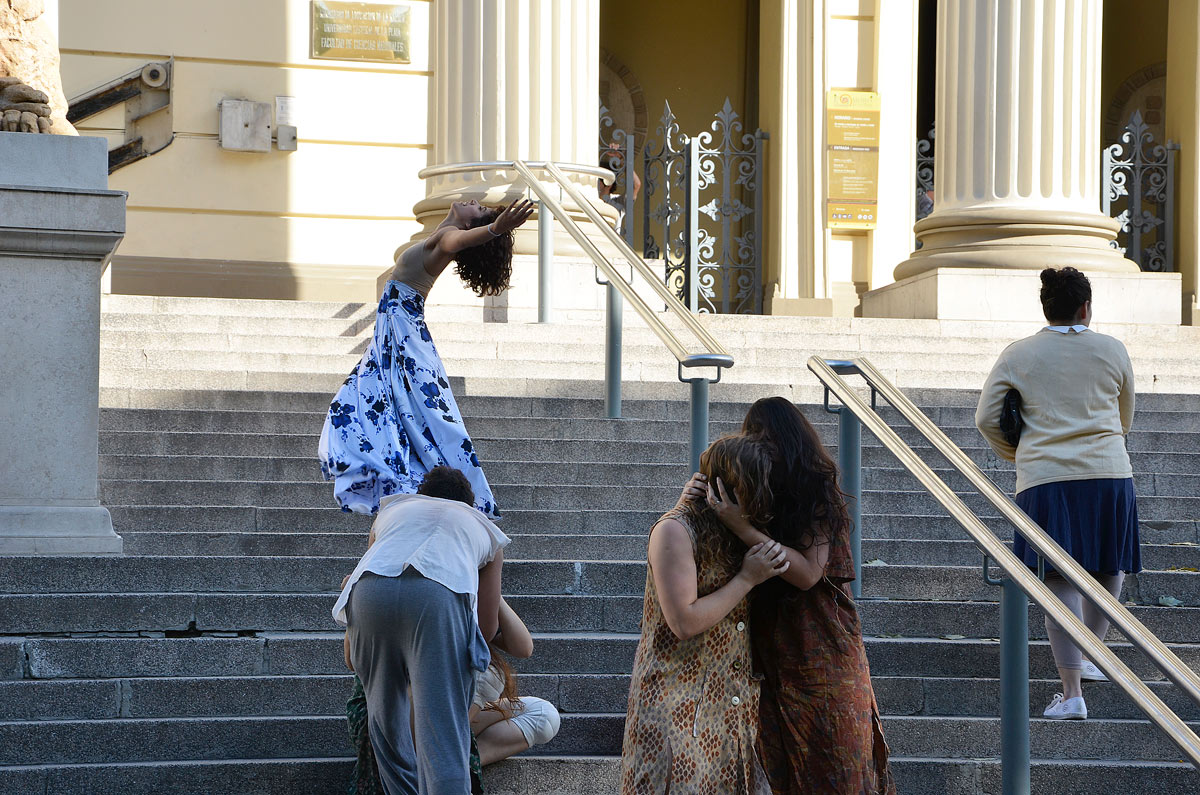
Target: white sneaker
{"points": [[1066, 709], [1090, 673]]}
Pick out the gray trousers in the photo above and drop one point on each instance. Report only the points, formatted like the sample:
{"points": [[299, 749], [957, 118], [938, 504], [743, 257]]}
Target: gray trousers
{"points": [[409, 630]]}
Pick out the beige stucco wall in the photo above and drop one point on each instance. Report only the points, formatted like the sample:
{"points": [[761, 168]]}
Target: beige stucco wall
{"points": [[320, 222]]}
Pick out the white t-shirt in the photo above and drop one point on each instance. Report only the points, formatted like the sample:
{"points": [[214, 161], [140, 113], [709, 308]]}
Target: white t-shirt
{"points": [[446, 540]]}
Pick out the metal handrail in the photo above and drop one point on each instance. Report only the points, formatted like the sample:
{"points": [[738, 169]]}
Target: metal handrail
{"points": [[507, 165], [1165, 659], [715, 354], [1153, 707]]}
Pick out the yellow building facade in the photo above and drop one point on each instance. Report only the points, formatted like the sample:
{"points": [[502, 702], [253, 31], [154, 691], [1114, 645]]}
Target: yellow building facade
{"points": [[491, 80]]}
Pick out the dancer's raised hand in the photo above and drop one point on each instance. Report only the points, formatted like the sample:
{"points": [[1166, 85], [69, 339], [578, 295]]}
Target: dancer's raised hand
{"points": [[513, 216]]}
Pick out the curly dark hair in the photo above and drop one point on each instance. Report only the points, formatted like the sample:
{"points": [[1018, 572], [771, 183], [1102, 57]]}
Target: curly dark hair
{"points": [[487, 268], [809, 507], [744, 466], [447, 483], [1064, 292]]}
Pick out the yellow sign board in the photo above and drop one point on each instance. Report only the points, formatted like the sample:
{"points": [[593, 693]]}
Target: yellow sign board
{"points": [[851, 159], [360, 31]]}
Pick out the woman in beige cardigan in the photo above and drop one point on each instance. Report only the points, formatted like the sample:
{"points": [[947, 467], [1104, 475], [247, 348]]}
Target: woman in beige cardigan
{"points": [[1073, 472]]}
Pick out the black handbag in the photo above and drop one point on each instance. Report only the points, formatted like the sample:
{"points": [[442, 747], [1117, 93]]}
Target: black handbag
{"points": [[1010, 417]]}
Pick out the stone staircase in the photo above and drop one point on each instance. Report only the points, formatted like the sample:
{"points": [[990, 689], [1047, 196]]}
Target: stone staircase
{"points": [[205, 659]]}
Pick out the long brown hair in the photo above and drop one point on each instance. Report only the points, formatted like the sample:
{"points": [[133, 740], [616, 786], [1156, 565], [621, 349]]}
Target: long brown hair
{"points": [[487, 268], [744, 466], [508, 695], [810, 507]]}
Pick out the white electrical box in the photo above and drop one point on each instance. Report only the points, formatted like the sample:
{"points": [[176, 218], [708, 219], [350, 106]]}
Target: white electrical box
{"points": [[245, 125]]}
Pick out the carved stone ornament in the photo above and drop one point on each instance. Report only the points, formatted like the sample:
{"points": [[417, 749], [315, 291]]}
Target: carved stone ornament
{"points": [[31, 95]]}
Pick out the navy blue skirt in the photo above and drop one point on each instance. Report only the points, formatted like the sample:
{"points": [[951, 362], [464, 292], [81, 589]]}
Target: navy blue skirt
{"points": [[1095, 521]]}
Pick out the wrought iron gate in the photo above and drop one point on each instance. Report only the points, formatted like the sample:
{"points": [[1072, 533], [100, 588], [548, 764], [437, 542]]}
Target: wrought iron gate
{"points": [[702, 209], [1137, 188], [1140, 174]]}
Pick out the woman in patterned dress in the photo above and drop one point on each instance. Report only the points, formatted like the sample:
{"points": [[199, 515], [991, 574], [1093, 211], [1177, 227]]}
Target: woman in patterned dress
{"points": [[819, 732], [394, 418], [693, 702]]}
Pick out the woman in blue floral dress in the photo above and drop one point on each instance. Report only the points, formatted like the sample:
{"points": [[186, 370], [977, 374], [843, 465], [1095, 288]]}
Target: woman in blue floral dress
{"points": [[395, 418]]}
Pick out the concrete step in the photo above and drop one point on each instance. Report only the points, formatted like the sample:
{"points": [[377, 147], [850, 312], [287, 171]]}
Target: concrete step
{"points": [[567, 775], [580, 653], [226, 519], [178, 739], [554, 613], [298, 776], [544, 546], [282, 575], [725, 404], [279, 494], [232, 696], [524, 546]]}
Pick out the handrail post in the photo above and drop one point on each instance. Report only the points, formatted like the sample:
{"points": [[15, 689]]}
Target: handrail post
{"points": [[545, 262], [850, 462], [1014, 690], [850, 465], [699, 421], [614, 318]]}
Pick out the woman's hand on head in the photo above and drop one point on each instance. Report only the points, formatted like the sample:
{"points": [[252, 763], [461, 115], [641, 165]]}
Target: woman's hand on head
{"points": [[764, 561], [695, 489], [513, 216], [727, 511]]}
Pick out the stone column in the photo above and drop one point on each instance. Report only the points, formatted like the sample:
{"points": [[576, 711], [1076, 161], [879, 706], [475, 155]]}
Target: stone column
{"points": [[1018, 140], [58, 224], [1183, 125], [512, 79]]}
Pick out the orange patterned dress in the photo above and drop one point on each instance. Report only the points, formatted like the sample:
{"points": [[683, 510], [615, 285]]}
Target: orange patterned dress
{"points": [[693, 704], [820, 732]]}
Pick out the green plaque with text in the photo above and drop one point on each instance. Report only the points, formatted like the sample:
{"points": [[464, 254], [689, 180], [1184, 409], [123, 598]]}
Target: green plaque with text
{"points": [[360, 31]]}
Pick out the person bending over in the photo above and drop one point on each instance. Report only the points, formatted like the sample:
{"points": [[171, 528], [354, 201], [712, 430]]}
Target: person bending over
{"points": [[419, 609]]}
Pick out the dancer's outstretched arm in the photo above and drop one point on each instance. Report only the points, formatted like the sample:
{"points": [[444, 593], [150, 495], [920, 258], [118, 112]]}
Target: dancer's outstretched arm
{"points": [[673, 566], [448, 241]]}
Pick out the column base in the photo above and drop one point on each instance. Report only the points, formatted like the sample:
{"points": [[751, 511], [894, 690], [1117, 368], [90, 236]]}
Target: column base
{"points": [[1015, 239], [57, 530], [1012, 295]]}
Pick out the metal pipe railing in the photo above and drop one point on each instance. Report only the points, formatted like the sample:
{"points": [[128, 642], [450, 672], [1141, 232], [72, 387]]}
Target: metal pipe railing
{"points": [[713, 355], [1137, 633], [1019, 575]]}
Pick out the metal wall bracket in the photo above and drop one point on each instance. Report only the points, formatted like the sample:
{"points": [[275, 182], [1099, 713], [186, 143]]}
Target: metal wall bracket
{"points": [[149, 126]]}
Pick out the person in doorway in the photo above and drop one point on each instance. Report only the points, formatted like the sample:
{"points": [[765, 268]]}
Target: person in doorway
{"points": [[1073, 472], [820, 732], [691, 724], [419, 609], [395, 418], [614, 161]]}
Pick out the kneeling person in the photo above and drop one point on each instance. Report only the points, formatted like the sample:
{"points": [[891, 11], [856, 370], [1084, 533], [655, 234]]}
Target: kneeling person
{"points": [[419, 609]]}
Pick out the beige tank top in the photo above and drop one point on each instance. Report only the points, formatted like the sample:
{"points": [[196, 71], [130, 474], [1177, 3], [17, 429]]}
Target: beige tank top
{"points": [[411, 269]]}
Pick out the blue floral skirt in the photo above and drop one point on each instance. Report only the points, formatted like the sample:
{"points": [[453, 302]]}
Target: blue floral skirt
{"points": [[1095, 521], [394, 418]]}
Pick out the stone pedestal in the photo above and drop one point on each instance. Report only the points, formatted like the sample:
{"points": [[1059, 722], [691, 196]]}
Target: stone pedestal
{"points": [[1012, 295], [1017, 161], [58, 224]]}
